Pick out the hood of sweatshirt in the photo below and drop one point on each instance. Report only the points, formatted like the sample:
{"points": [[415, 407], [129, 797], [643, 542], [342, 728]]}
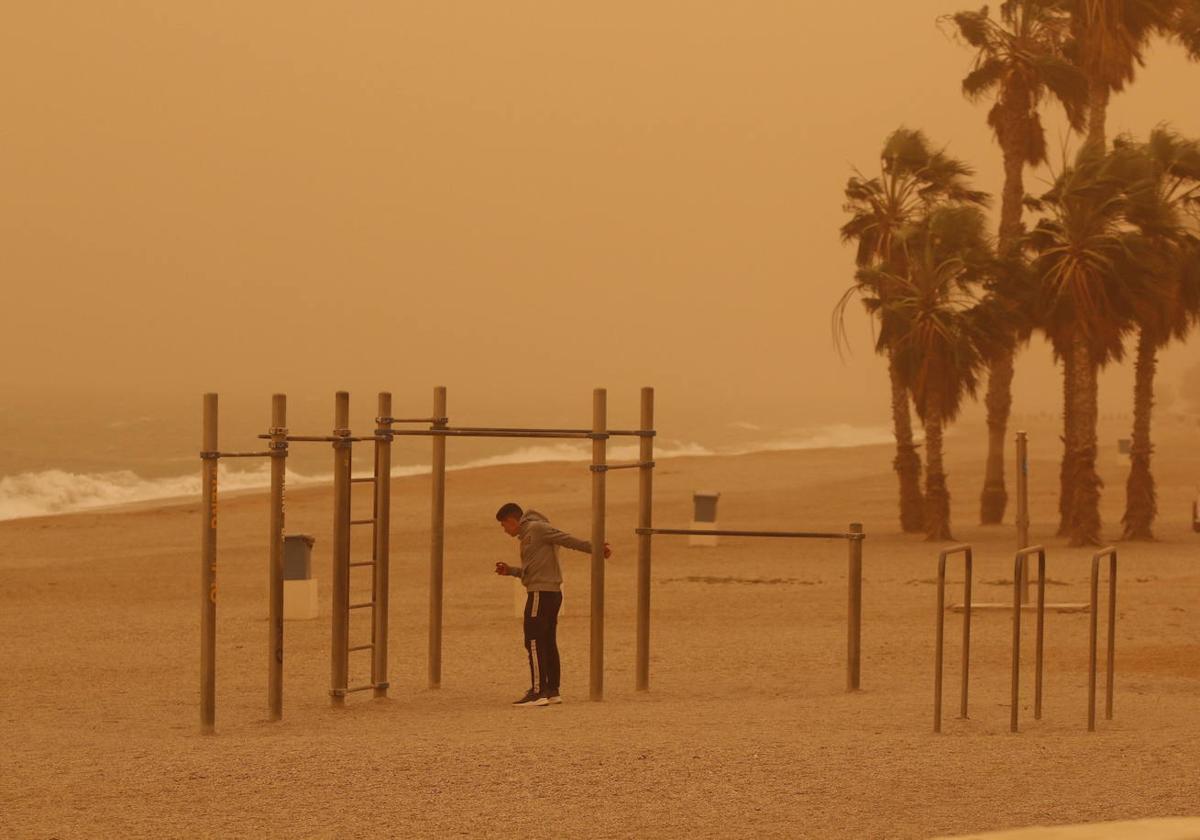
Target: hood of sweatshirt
{"points": [[530, 517]]}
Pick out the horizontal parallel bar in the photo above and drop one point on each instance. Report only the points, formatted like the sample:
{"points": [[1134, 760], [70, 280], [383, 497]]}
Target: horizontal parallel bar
{"points": [[362, 647], [356, 688], [698, 532], [363, 480], [411, 419], [362, 605], [633, 466], [266, 454], [362, 521], [610, 432], [363, 563], [327, 438], [505, 433]]}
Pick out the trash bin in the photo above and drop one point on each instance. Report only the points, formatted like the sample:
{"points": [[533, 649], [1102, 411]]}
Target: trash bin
{"points": [[704, 517], [300, 600]]}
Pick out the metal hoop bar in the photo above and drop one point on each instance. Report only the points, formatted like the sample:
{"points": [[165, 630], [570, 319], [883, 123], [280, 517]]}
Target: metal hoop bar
{"points": [[1111, 554], [966, 551], [1019, 563]]}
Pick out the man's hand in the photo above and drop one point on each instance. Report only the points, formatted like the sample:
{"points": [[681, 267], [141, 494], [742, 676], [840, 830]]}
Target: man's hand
{"points": [[502, 568], [607, 551]]}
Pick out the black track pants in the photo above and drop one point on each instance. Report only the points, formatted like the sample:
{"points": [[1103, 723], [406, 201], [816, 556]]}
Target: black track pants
{"points": [[541, 639]]}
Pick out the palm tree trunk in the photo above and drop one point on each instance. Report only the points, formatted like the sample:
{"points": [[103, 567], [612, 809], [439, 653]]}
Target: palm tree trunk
{"points": [[1098, 94], [994, 498], [1084, 525], [1066, 469], [1141, 504], [937, 497], [907, 463]]}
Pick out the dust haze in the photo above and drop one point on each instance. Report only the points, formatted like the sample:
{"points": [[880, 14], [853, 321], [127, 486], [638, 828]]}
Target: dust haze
{"points": [[519, 201]]}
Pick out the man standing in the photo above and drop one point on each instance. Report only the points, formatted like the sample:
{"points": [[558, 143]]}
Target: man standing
{"points": [[542, 577]]}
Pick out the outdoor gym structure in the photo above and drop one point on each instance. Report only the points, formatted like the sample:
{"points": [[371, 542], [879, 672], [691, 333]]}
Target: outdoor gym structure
{"points": [[343, 440], [1021, 578]]}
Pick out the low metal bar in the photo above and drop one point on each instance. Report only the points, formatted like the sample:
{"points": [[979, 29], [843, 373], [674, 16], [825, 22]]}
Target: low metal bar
{"points": [[362, 647], [704, 532], [636, 465], [357, 688], [361, 606], [362, 521], [943, 556], [363, 563], [383, 420], [266, 454], [1022, 558], [365, 480], [1111, 554]]}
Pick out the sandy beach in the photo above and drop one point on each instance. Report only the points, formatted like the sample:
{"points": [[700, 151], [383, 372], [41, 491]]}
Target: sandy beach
{"points": [[747, 729]]}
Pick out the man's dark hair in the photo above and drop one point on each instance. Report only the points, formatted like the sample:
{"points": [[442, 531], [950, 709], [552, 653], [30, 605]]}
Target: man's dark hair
{"points": [[512, 510]]}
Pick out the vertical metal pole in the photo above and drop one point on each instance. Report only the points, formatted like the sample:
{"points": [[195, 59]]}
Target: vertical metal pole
{"points": [[1041, 636], [278, 448], [1016, 642], [339, 657], [437, 540], [383, 507], [208, 567], [1023, 507], [599, 464], [1095, 606], [645, 517], [1112, 635], [939, 644], [854, 610], [966, 631]]}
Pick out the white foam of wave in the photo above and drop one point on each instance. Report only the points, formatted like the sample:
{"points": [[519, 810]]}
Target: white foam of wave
{"points": [[59, 491], [838, 436], [52, 492]]}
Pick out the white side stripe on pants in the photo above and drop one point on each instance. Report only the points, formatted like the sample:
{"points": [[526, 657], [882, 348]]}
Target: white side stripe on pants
{"points": [[533, 610], [533, 657]]}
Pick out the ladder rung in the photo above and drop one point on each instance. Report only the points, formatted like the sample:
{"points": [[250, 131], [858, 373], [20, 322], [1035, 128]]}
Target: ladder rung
{"points": [[362, 521], [363, 563], [359, 688], [362, 480], [362, 647], [362, 605]]}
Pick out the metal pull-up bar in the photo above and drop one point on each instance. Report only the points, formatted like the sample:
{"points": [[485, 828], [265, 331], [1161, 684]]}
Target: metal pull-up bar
{"points": [[854, 538]]}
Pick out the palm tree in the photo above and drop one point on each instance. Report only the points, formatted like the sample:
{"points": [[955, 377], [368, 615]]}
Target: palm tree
{"points": [[913, 178], [1169, 192], [939, 334], [1019, 60], [1109, 39], [1087, 265], [1109, 42]]}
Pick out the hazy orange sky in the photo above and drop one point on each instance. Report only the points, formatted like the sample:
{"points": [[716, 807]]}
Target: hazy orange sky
{"points": [[518, 200]]}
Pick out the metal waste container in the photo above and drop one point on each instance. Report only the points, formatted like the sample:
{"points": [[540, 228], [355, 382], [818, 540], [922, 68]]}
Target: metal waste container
{"points": [[300, 597]]}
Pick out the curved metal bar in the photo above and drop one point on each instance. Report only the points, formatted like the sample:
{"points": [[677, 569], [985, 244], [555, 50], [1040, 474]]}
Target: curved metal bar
{"points": [[1111, 554], [965, 550], [1019, 564]]}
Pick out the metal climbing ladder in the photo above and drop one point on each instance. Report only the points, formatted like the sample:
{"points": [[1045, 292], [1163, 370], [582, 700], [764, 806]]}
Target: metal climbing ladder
{"points": [[343, 564]]}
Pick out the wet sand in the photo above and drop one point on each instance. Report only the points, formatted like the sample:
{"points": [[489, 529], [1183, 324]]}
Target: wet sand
{"points": [[747, 729]]}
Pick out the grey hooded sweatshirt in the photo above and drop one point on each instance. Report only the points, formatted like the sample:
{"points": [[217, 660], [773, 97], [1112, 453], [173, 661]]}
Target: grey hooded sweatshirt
{"points": [[539, 570]]}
